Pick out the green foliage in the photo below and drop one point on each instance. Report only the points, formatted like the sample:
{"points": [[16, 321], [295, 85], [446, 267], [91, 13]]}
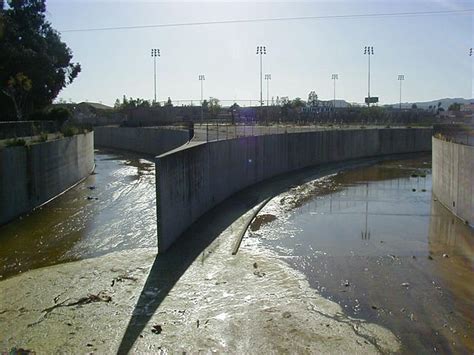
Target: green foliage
{"points": [[169, 103], [15, 142], [454, 107], [214, 107], [59, 114], [131, 103], [34, 63], [312, 99], [297, 103], [43, 137], [69, 131]]}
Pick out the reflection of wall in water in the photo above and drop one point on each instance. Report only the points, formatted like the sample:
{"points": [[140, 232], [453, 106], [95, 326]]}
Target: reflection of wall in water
{"points": [[449, 236]]}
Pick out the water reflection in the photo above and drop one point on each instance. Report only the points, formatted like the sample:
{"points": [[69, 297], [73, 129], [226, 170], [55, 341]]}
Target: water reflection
{"points": [[373, 240], [113, 209]]}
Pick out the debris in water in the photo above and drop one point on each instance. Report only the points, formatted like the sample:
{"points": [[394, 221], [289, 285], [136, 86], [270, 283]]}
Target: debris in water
{"points": [[156, 329], [374, 307], [413, 190], [259, 273], [430, 257], [445, 256], [255, 265], [91, 187], [405, 284]]}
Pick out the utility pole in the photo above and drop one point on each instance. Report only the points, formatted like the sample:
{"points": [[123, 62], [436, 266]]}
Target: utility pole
{"points": [[368, 50], [155, 52], [201, 79], [334, 78], [400, 79], [260, 51], [268, 77]]}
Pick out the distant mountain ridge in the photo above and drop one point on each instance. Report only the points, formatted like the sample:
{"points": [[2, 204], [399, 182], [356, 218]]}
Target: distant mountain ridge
{"points": [[445, 103]]}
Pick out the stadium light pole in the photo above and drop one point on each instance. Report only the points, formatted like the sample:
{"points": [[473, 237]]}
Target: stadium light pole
{"points": [[268, 77], [334, 78], [155, 52], [369, 51], [201, 79], [261, 50], [400, 79]]}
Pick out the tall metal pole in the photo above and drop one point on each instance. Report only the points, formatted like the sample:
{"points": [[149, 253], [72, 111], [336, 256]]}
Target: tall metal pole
{"points": [[334, 78], [154, 74], [268, 77], [369, 51], [369, 81], [201, 79], [401, 78], [260, 51], [261, 100], [155, 52]]}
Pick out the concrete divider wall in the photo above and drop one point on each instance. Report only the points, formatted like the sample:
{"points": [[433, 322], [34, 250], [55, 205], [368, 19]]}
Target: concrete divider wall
{"points": [[453, 177], [148, 140], [193, 179], [32, 175]]}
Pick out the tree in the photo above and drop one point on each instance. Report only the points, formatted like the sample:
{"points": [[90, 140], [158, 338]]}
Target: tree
{"points": [[169, 103], [313, 99], [414, 107], [297, 103], [32, 58], [454, 107], [214, 107], [17, 89]]}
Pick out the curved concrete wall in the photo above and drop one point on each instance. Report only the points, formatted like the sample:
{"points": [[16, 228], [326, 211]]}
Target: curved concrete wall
{"points": [[193, 179], [152, 140], [32, 175], [453, 177]]}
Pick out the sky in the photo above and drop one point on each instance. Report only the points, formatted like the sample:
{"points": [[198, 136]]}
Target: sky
{"points": [[432, 51]]}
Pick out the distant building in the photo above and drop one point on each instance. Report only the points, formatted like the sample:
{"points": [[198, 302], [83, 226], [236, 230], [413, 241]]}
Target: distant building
{"points": [[467, 107]]}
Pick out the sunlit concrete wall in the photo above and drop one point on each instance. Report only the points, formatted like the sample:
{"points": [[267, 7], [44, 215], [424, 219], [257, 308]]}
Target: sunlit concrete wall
{"points": [[193, 179], [453, 177], [152, 140], [31, 175]]}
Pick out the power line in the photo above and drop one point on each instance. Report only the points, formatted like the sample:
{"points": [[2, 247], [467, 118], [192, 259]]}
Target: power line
{"points": [[224, 22]]}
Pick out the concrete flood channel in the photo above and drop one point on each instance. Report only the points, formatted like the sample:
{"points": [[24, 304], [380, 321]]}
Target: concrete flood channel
{"points": [[363, 260]]}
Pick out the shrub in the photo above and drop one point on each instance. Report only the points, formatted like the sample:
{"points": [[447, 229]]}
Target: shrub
{"points": [[69, 131], [15, 142], [43, 137]]}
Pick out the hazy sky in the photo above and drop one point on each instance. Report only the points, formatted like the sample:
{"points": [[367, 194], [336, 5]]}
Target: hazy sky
{"points": [[430, 50]]}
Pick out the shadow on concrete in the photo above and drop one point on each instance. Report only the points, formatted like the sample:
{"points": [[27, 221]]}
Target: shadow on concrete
{"points": [[170, 266]]}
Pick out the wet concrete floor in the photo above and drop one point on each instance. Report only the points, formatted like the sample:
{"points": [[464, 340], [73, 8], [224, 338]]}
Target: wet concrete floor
{"points": [[376, 241], [112, 210]]}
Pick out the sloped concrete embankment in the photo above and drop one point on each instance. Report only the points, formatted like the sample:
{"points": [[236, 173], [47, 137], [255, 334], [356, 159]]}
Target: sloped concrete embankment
{"points": [[31, 175], [147, 140], [195, 178], [453, 177]]}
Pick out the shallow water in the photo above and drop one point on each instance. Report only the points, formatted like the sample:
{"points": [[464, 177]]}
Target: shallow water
{"points": [[376, 241], [112, 210]]}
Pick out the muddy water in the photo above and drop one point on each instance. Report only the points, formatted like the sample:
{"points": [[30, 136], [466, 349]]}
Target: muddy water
{"points": [[112, 210], [376, 241]]}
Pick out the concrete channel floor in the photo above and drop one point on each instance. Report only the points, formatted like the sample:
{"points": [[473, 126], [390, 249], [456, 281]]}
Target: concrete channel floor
{"points": [[196, 297]]}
